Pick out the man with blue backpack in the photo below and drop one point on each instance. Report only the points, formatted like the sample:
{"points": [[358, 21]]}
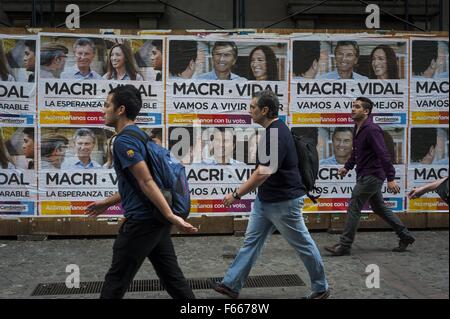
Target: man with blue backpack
{"points": [[153, 192]]}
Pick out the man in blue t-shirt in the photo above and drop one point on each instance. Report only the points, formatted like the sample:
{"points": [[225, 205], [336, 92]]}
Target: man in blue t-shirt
{"points": [[142, 234], [278, 205]]}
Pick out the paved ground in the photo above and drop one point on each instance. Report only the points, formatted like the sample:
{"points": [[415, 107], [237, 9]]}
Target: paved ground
{"points": [[422, 272]]}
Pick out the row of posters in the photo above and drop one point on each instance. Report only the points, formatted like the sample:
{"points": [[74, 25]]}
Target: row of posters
{"points": [[55, 149]]}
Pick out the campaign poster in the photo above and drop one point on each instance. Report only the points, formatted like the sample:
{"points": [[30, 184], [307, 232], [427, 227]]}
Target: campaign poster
{"points": [[17, 79], [18, 183], [329, 72], [217, 160], [76, 74], [78, 71], [428, 135], [428, 162], [334, 146], [429, 81], [210, 83]]}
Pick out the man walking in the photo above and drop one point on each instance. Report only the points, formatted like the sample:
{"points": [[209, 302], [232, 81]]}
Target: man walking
{"points": [[373, 166], [278, 204], [142, 234]]}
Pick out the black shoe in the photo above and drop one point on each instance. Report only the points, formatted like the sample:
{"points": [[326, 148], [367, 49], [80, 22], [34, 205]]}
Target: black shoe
{"points": [[318, 295], [338, 250], [224, 290], [403, 244]]}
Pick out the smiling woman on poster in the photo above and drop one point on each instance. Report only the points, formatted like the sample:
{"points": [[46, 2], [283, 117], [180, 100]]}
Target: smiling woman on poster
{"points": [[263, 64], [122, 65], [383, 63]]}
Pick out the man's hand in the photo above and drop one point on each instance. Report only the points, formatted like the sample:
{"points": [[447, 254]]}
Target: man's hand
{"points": [[183, 225], [96, 208], [342, 171], [228, 200], [393, 187]]}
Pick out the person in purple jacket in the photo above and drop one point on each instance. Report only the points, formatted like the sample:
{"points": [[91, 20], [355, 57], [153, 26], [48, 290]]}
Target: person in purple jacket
{"points": [[373, 166]]}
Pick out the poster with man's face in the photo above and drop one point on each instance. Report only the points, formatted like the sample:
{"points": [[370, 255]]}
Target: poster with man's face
{"points": [[334, 146], [428, 162], [78, 71], [211, 82], [329, 73]]}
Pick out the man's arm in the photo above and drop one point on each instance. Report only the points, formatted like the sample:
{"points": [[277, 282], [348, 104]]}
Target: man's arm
{"points": [[258, 177], [416, 192], [379, 147], [148, 186], [99, 207]]}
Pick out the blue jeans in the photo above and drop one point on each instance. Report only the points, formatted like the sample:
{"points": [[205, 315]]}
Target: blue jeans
{"points": [[286, 217]]}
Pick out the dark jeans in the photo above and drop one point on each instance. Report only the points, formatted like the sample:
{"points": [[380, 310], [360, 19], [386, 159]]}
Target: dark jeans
{"points": [[368, 188], [137, 240]]}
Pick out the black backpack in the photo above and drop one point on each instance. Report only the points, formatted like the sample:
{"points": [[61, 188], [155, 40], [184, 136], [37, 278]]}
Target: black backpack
{"points": [[308, 164]]}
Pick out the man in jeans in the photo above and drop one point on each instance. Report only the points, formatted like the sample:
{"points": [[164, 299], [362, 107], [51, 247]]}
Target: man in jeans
{"points": [[142, 235], [373, 166], [278, 204]]}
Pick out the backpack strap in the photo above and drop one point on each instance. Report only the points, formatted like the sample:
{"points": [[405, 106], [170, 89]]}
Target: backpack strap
{"points": [[126, 172], [144, 138]]}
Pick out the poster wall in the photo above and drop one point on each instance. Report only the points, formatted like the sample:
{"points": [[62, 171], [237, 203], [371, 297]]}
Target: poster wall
{"points": [[428, 135], [55, 148], [328, 74], [18, 182]]}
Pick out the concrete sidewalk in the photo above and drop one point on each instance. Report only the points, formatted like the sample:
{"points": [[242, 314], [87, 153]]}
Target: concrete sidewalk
{"points": [[422, 272]]}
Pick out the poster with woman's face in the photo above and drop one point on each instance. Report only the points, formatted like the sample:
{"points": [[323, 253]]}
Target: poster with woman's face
{"points": [[212, 81], [17, 79], [77, 72], [329, 74]]}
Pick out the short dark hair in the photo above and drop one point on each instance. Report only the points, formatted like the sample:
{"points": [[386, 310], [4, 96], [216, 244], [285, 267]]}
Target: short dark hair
{"points": [[82, 42], [421, 141], [181, 53], [354, 44], [84, 132], [50, 51], [31, 44], [52, 142], [268, 98], [423, 52], [271, 63], [29, 131], [367, 103], [391, 62], [128, 96], [304, 54], [157, 44], [342, 130], [226, 44]]}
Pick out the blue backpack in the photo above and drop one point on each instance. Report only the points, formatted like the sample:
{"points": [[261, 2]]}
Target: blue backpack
{"points": [[168, 173]]}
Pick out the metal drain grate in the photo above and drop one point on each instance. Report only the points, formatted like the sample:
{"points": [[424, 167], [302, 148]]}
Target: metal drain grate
{"points": [[95, 287]]}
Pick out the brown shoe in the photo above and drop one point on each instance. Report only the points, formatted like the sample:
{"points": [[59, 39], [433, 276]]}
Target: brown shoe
{"points": [[403, 244], [338, 250], [224, 290], [318, 295]]}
